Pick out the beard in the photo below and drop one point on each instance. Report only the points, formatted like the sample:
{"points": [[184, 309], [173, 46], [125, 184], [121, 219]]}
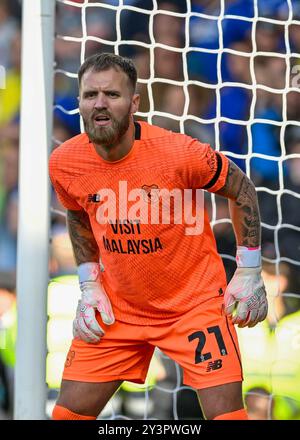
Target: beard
{"points": [[106, 136]]}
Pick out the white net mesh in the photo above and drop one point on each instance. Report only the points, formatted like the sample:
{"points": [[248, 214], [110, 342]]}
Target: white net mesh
{"points": [[226, 72]]}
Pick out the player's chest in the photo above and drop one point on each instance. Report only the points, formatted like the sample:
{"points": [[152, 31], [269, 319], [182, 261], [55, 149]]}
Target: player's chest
{"points": [[124, 186]]}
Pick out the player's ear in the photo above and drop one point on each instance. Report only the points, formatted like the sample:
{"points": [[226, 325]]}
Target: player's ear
{"points": [[135, 103]]}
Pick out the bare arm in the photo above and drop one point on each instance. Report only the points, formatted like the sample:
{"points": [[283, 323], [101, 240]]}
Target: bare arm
{"points": [[243, 206], [84, 245]]}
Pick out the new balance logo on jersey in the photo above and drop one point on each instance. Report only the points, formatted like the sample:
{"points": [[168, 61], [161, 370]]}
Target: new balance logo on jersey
{"points": [[215, 365], [94, 198]]}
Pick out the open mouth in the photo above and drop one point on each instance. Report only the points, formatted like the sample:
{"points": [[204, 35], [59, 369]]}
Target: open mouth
{"points": [[102, 120]]}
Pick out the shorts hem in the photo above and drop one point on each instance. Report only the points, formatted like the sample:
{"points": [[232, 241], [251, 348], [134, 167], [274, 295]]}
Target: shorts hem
{"points": [[79, 378], [212, 383]]}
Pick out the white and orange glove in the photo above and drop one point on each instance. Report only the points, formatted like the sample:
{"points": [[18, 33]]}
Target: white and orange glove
{"points": [[246, 293], [93, 297]]}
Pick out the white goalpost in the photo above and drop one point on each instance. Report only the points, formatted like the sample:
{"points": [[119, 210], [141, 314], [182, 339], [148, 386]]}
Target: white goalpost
{"points": [[33, 225], [36, 126]]}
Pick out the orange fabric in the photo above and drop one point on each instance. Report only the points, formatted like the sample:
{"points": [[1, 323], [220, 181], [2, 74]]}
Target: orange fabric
{"points": [[240, 414], [153, 272], [125, 351], [62, 413]]}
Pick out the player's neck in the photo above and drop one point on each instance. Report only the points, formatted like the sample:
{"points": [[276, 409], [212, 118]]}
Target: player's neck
{"points": [[119, 150]]}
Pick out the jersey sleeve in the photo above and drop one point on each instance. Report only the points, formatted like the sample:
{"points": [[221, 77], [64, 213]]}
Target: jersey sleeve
{"points": [[61, 184], [205, 167]]}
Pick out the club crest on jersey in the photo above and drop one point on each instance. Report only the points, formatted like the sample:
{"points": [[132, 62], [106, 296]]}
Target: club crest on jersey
{"points": [[151, 193], [211, 159]]}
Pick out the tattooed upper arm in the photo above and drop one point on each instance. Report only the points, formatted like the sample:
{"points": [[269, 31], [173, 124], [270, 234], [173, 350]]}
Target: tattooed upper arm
{"points": [[235, 179], [84, 245]]}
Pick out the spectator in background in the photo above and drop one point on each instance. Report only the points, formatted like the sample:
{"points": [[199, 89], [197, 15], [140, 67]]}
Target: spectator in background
{"points": [[290, 205], [66, 115], [293, 105], [274, 8], [267, 37], [204, 33], [67, 53], [8, 331], [61, 131], [265, 136], [233, 134], [135, 24], [8, 205], [62, 260], [9, 26], [10, 96], [294, 35], [287, 206], [168, 30]]}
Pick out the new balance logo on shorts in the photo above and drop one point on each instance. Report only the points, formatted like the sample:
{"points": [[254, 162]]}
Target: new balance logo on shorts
{"points": [[215, 365], [93, 198]]}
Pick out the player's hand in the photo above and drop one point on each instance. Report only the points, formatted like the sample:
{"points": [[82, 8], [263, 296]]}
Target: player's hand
{"points": [[246, 293], [93, 297]]}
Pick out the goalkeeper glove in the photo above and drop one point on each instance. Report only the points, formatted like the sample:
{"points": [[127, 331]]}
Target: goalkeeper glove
{"points": [[246, 291], [93, 297]]}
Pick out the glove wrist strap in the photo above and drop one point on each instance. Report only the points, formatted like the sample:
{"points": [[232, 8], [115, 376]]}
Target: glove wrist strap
{"points": [[88, 272], [248, 257]]}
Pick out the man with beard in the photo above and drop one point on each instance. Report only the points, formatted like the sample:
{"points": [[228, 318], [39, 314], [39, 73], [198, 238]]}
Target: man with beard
{"points": [[158, 283]]}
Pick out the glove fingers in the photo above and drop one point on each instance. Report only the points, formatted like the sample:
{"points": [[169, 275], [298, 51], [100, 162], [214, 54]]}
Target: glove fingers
{"points": [[261, 313], [105, 310], [251, 320], [229, 302], [80, 326], [78, 333], [256, 315], [91, 322], [242, 310], [241, 314], [85, 333]]}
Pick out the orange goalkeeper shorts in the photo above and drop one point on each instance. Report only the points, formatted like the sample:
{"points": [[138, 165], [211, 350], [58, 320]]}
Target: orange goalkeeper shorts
{"points": [[203, 342]]}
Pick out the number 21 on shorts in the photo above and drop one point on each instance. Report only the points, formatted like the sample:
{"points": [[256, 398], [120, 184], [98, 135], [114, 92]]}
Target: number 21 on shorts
{"points": [[202, 336]]}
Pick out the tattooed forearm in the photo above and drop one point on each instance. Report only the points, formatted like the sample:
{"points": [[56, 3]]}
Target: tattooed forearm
{"points": [[243, 205], [245, 215], [84, 245]]}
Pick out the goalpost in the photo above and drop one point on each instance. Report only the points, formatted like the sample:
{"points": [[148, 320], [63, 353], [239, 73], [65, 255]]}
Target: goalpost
{"points": [[33, 223], [34, 308]]}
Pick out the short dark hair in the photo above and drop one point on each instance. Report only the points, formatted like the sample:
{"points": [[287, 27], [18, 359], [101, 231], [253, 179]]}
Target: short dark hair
{"points": [[105, 61]]}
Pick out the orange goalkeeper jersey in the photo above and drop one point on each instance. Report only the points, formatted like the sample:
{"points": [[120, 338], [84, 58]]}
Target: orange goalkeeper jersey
{"points": [[157, 266]]}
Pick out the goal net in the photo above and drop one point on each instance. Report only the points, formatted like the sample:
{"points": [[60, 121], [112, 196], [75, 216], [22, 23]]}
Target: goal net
{"points": [[227, 73]]}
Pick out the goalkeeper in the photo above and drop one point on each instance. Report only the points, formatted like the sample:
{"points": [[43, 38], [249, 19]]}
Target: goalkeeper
{"points": [[158, 285]]}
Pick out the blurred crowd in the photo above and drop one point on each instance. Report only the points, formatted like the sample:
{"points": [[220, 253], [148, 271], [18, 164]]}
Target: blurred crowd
{"points": [[207, 53]]}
